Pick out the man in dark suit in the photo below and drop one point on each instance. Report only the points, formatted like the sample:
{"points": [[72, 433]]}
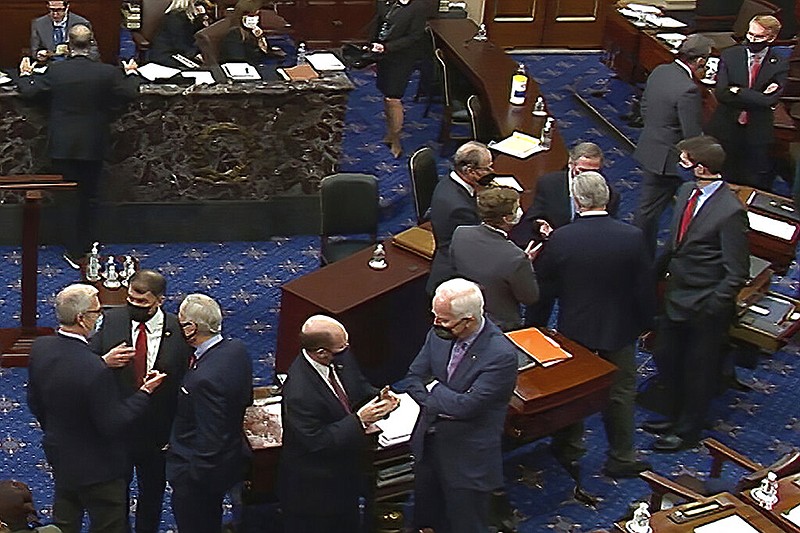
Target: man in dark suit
{"points": [[453, 204], [750, 81], [552, 208], [707, 262], [484, 255], [602, 275], [207, 452], [51, 31], [84, 95], [327, 406], [74, 397], [672, 109], [158, 344], [462, 379]]}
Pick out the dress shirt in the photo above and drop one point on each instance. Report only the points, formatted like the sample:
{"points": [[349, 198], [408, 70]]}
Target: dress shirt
{"points": [[455, 177], [470, 339], [685, 67], [324, 372], [752, 56], [206, 346], [155, 328], [593, 213], [496, 230], [705, 194], [73, 335]]}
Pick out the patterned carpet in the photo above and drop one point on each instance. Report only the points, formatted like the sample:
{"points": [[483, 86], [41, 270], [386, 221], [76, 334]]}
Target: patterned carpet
{"points": [[246, 280]]}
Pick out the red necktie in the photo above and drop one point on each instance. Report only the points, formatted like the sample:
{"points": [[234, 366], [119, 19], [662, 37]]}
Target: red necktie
{"points": [[688, 213], [338, 390], [755, 66], [140, 357]]}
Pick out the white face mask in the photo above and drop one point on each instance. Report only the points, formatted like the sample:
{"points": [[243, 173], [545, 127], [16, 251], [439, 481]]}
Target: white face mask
{"points": [[250, 22], [517, 217]]}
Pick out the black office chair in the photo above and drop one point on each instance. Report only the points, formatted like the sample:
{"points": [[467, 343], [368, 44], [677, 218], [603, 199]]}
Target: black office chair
{"points": [[348, 206], [455, 112], [479, 128], [424, 177]]}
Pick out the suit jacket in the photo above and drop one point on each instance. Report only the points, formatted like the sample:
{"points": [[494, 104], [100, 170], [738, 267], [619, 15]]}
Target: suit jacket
{"points": [[503, 271], [175, 36], [207, 444], [451, 206], [172, 359], [672, 110], [552, 203], [468, 412], [321, 468], [74, 397], [733, 72], [710, 265], [42, 31], [604, 279], [84, 95]]}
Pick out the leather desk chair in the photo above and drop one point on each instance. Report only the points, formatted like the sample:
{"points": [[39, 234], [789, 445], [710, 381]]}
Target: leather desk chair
{"points": [[209, 40], [153, 12]]}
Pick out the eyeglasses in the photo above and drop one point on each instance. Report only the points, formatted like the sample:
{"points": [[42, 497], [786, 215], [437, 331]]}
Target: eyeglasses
{"points": [[184, 324], [58, 10], [94, 311]]}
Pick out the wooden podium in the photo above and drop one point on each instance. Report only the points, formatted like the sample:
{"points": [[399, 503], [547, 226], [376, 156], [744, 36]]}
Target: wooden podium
{"points": [[15, 343]]}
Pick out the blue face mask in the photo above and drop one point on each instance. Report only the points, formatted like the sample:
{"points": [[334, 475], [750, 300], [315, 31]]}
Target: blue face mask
{"points": [[685, 173]]}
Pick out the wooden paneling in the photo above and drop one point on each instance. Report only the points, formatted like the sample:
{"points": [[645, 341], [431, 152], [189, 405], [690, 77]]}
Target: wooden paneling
{"points": [[515, 22], [17, 15], [329, 23]]}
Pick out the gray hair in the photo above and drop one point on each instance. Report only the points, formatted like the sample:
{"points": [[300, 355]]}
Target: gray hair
{"points": [[465, 297], [72, 301], [587, 150], [80, 39], [203, 311], [470, 154], [590, 190]]}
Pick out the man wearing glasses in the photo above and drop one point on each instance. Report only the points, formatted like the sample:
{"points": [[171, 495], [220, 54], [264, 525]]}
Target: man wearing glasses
{"points": [[74, 396], [50, 33]]}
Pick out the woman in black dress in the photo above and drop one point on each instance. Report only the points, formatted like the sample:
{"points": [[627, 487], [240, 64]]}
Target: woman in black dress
{"points": [[399, 38], [176, 34]]}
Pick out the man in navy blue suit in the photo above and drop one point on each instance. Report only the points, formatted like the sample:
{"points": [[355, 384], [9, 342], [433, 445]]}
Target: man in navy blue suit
{"points": [[74, 397], [327, 407], [601, 272], [462, 379], [207, 452]]}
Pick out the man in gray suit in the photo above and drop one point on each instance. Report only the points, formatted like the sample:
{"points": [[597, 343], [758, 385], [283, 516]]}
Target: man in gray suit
{"points": [[672, 110], [484, 255], [50, 31]]}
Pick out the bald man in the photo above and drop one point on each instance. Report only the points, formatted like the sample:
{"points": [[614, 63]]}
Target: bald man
{"points": [[327, 407]]}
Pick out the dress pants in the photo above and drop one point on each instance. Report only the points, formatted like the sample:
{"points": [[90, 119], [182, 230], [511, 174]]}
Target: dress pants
{"points": [[446, 509], [567, 444], [748, 164], [86, 173], [538, 314], [196, 508], [105, 502], [688, 358], [149, 464], [657, 192]]}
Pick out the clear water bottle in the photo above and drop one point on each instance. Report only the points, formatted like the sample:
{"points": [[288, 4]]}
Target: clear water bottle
{"points": [[301, 54], [519, 84], [546, 138]]}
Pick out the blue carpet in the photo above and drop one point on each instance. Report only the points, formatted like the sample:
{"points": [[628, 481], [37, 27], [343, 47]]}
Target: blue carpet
{"points": [[246, 278]]}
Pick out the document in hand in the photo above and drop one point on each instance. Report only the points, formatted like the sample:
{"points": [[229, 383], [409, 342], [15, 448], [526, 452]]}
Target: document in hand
{"points": [[539, 346], [398, 427]]}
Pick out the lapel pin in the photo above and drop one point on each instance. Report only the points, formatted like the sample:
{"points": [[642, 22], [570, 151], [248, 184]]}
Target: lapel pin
{"points": [[167, 333]]}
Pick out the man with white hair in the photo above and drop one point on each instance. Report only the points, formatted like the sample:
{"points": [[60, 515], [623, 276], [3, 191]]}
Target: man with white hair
{"points": [[327, 407], [462, 378], [74, 397], [207, 451]]}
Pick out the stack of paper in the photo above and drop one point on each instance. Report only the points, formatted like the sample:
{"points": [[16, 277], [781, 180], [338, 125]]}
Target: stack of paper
{"points": [[730, 524], [241, 71], [771, 226], [154, 71], [518, 144], [322, 61], [398, 427]]}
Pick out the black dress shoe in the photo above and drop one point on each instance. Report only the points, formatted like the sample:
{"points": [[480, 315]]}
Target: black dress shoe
{"points": [[624, 470], [673, 443], [656, 426]]}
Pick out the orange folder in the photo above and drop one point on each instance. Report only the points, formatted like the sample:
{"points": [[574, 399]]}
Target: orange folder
{"points": [[539, 346]]}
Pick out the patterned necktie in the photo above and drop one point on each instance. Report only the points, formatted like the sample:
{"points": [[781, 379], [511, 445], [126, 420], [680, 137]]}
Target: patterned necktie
{"points": [[755, 66], [456, 355], [338, 390], [59, 36], [688, 214], [140, 356]]}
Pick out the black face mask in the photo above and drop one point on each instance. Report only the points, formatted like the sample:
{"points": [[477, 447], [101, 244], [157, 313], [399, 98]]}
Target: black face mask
{"points": [[756, 47], [686, 173], [443, 332], [487, 179], [138, 313]]}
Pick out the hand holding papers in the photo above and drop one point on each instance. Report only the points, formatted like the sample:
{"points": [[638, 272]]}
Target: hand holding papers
{"points": [[398, 427]]}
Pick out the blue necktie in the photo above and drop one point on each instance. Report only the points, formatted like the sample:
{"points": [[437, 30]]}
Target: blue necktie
{"points": [[58, 35]]}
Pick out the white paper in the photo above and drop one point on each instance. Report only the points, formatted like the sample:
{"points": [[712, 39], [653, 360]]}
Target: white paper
{"points": [[200, 76], [664, 22], [154, 71], [508, 181], [518, 144], [730, 524], [325, 61], [4, 79], [793, 515], [673, 37], [241, 71], [643, 8], [398, 427], [771, 226]]}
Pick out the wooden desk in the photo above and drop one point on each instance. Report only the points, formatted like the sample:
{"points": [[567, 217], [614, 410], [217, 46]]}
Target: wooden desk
{"points": [[789, 498], [489, 69], [386, 312], [662, 523], [548, 399]]}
